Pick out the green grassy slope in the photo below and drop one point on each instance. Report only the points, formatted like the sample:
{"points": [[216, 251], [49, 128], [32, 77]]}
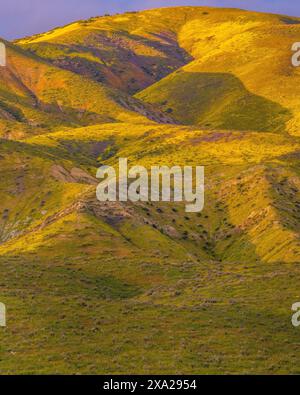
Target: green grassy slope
{"points": [[124, 280], [148, 288]]}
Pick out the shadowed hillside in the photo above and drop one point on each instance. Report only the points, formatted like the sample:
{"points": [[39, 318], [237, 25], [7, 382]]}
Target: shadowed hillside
{"points": [[216, 100]]}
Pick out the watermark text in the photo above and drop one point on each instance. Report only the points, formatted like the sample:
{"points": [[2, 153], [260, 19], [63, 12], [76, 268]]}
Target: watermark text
{"points": [[2, 55], [160, 184], [2, 315], [296, 55]]}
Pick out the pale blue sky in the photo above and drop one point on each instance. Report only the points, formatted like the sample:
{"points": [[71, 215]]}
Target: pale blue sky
{"points": [[19, 18]]}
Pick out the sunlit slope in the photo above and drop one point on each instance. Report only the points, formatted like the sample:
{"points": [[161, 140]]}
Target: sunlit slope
{"points": [[252, 192], [49, 205], [129, 52], [241, 77], [218, 68], [36, 96], [105, 288]]}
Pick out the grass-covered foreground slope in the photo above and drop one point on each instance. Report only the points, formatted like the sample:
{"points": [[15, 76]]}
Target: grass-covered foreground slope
{"points": [[146, 287], [101, 288]]}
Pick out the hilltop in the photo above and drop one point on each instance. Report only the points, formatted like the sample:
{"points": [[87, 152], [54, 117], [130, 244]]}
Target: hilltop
{"points": [[222, 62]]}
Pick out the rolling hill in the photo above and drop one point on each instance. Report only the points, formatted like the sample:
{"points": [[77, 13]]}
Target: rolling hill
{"points": [[36, 97], [241, 77], [145, 287], [222, 63]]}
